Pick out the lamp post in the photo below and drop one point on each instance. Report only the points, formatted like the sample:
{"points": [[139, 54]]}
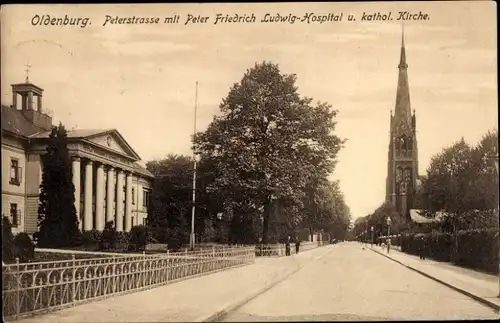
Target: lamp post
{"points": [[498, 208], [495, 160], [388, 233], [371, 229], [192, 237]]}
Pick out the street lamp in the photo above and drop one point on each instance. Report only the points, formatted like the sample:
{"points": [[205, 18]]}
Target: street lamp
{"points": [[494, 157], [389, 226], [192, 237], [372, 234], [388, 233]]}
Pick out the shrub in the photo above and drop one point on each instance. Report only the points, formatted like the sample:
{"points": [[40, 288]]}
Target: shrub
{"points": [[24, 247], [476, 249], [139, 237], [91, 239], [8, 250], [122, 239], [108, 237]]}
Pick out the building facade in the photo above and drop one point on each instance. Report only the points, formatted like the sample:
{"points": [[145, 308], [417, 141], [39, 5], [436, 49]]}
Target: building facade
{"points": [[110, 184], [402, 166]]}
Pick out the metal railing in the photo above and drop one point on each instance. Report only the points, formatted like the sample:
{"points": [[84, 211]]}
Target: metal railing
{"points": [[279, 250], [31, 288]]}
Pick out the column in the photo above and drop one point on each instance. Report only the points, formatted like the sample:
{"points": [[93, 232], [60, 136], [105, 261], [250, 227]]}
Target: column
{"points": [[39, 100], [119, 200], [30, 100], [75, 167], [128, 203], [14, 99], [110, 196], [99, 199], [87, 208]]}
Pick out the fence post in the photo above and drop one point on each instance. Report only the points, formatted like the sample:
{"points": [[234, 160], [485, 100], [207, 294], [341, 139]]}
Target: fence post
{"points": [[186, 262], [168, 265], [113, 273], [18, 291], [73, 287], [223, 257]]}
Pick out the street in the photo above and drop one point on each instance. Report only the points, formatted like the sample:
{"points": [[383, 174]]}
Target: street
{"points": [[349, 283]]}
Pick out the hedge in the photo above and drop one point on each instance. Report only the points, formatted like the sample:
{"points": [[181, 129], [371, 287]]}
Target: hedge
{"points": [[476, 249]]}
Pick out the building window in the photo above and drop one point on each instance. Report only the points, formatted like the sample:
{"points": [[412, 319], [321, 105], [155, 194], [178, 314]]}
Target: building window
{"points": [[15, 172], [14, 215], [146, 198], [133, 196]]}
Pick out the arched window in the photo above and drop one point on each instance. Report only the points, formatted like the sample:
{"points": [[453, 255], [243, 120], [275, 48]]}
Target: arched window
{"points": [[407, 175], [410, 143], [399, 175]]}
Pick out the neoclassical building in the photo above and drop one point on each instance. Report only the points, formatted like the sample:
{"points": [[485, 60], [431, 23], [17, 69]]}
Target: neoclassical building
{"points": [[110, 184]]}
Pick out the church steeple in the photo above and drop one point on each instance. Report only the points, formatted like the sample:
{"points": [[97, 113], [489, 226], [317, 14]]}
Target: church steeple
{"points": [[403, 154], [402, 113]]}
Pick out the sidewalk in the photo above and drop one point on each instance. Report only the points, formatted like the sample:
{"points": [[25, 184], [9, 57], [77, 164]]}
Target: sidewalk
{"points": [[480, 286], [192, 300]]}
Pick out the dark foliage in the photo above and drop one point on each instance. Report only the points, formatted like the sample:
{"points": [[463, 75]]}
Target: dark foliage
{"points": [[8, 249], [57, 221], [139, 238]]}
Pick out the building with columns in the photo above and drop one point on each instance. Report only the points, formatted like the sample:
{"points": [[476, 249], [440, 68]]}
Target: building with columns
{"points": [[110, 183]]}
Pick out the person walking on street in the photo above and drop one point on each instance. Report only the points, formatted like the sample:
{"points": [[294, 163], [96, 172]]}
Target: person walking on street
{"points": [[287, 246], [297, 245], [424, 248]]}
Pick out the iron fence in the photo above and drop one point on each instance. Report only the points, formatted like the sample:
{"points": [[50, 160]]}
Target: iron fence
{"points": [[31, 288], [279, 250]]}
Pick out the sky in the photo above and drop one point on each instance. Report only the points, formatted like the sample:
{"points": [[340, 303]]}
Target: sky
{"points": [[140, 79]]}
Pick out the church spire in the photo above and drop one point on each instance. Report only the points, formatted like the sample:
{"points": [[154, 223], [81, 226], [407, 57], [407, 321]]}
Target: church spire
{"points": [[402, 111]]}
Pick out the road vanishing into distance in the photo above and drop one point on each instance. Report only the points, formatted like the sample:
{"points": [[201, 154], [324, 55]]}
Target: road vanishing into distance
{"points": [[353, 283]]}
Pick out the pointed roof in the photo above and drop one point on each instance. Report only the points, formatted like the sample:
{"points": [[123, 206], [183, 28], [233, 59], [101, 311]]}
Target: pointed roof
{"points": [[87, 134], [402, 111]]}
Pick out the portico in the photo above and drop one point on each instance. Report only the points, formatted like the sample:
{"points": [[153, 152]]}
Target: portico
{"points": [[107, 179]]}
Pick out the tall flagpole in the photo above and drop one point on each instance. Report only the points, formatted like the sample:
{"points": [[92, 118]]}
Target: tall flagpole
{"points": [[192, 236]]}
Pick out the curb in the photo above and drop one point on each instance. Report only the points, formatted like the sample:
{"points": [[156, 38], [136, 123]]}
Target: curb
{"points": [[479, 299], [220, 314]]}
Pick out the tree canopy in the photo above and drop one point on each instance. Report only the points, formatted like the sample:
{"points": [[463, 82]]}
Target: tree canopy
{"points": [[461, 180], [269, 144]]}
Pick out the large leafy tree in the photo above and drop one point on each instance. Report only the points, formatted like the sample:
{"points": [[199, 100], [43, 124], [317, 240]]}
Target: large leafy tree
{"points": [[460, 180], [268, 142], [57, 221], [171, 200]]}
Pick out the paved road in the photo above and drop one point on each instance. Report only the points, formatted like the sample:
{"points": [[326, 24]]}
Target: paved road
{"points": [[350, 283]]}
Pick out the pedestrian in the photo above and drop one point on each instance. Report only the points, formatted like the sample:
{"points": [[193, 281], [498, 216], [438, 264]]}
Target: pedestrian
{"points": [[420, 248], [388, 245], [287, 246], [424, 248], [297, 245]]}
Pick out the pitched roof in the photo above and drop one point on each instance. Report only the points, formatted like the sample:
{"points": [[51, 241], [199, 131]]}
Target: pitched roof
{"points": [[13, 121], [75, 133], [142, 170], [417, 216], [88, 134]]}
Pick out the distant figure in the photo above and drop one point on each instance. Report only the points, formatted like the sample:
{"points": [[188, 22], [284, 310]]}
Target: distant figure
{"points": [[423, 248], [297, 245], [287, 246], [388, 245]]}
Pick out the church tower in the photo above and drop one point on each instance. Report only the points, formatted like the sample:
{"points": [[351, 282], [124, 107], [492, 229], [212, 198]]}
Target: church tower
{"points": [[402, 168]]}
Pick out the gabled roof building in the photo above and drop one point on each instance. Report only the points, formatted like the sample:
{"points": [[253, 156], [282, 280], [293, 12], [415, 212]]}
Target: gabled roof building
{"points": [[110, 183]]}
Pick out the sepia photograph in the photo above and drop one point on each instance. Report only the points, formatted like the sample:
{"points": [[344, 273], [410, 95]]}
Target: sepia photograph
{"points": [[250, 162]]}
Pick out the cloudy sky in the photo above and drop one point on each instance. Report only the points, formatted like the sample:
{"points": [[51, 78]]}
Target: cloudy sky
{"points": [[141, 79]]}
